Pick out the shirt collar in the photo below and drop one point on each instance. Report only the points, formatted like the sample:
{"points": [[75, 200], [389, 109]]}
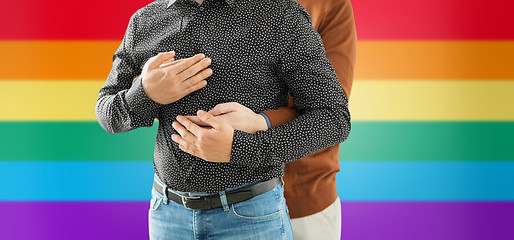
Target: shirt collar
{"points": [[171, 2]]}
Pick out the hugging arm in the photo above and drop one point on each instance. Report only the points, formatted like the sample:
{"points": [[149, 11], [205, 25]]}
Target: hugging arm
{"points": [[323, 120], [339, 36]]}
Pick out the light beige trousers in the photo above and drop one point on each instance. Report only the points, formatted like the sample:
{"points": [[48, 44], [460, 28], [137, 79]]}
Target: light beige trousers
{"points": [[324, 225]]}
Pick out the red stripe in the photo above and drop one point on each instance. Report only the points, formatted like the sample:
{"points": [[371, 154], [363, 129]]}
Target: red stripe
{"points": [[434, 19], [66, 19], [375, 19]]}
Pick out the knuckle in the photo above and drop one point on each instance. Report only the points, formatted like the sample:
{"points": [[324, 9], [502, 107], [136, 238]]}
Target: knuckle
{"points": [[173, 84], [171, 72], [191, 61], [190, 71], [197, 86], [206, 73], [206, 62], [183, 147], [201, 137], [186, 147]]}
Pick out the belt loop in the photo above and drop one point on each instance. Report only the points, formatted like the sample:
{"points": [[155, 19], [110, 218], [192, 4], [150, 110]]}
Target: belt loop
{"points": [[282, 180], [224, 203], [165, 193]]}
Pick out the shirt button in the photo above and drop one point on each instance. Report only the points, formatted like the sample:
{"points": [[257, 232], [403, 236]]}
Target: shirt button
{"points": [[202, 8]]}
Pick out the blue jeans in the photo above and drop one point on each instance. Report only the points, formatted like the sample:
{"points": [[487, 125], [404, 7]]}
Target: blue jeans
{"points": [[262, 217]]}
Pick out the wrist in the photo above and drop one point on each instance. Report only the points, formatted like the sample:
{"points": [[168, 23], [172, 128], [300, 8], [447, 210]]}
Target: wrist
{"points": [[263, 123]]}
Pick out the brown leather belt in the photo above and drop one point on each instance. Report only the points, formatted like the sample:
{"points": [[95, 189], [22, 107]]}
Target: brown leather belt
{"points": [[214, 201]]}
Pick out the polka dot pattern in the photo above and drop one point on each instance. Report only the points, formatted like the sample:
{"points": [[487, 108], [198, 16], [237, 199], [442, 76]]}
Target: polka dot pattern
{"points": [[260, 51]]}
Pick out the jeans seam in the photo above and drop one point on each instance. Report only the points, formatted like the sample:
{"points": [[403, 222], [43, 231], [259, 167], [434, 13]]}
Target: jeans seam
{"points": [[256, 219], [276, 194]]}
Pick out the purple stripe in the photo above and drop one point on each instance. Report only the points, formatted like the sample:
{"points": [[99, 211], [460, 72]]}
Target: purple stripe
{"points": [[73, 220], [361, 220], [428, 220]]}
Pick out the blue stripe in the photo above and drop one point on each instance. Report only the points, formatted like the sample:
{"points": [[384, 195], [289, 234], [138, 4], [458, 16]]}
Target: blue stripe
{"points": [[76, 181], [358, 181], [426, 181]]}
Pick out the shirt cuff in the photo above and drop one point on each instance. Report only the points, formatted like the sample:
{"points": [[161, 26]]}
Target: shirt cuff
{"points": [[246, 149], [138, 102], [268, 122]]}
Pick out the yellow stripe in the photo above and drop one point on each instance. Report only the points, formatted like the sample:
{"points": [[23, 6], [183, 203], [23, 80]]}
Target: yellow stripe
{"points": [[49, 100], [375, 100], [432, 100]]}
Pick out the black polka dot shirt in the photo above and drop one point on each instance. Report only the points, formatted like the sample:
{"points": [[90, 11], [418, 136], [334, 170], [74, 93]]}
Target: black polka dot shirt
{"points": [[260, 51]]}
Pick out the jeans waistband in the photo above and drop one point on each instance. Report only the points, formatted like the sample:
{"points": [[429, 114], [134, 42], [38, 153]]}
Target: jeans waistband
{"points": [[201, 194]]}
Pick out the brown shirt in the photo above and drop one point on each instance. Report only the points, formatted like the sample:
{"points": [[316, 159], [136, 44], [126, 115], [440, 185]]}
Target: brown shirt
{"points": [[310, 182]]}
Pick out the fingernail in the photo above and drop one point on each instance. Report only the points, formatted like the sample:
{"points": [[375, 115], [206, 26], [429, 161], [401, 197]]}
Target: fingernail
{"points": [[200, 112], [209, 61]]}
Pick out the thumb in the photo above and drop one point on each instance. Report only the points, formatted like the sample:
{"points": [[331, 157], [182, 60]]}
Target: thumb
{"points": [[223, 108], [161, 58], [209, 119], [218, 110]]}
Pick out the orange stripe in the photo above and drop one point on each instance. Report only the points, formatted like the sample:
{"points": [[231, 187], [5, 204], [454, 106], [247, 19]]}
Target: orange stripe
{"points": [[409, 60], [469, 60], [39, 60]]}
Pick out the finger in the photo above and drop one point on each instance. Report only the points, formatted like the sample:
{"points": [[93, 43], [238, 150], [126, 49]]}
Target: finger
{"points": [[197, 121], [184, 133], [190, 126], [155, 61], [169, 64], [198, 78], [183, 144], [194, 69], [196, 87], [188, 62], [223, 108], [209, 119]]}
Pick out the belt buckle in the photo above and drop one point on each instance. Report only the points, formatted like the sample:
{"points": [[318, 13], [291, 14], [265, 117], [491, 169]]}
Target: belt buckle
{"points": [[184, 201]]}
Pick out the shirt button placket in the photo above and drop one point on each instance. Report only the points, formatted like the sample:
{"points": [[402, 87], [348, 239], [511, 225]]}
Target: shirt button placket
{"points": [[199, 31]]}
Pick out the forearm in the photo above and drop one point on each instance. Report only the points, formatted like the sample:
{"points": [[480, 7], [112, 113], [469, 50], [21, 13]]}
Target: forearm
{"points": [[308, 133], [324, 119], [126, 109], [340, 41], [282, 115]]}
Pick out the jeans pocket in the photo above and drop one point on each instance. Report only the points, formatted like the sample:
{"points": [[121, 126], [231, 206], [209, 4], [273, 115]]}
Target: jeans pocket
{"points": [[156, 201], [264, 207]]}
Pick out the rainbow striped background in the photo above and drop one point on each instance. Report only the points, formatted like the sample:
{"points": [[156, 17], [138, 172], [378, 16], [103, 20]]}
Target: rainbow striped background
{"points": [[430, 156]]}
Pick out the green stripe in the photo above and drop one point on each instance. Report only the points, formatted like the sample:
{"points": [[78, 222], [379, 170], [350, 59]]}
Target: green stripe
{"points": [[430, 141], [367, 141]]}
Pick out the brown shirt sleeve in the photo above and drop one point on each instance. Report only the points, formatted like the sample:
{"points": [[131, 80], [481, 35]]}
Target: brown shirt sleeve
{"points": [[335, 23]]}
